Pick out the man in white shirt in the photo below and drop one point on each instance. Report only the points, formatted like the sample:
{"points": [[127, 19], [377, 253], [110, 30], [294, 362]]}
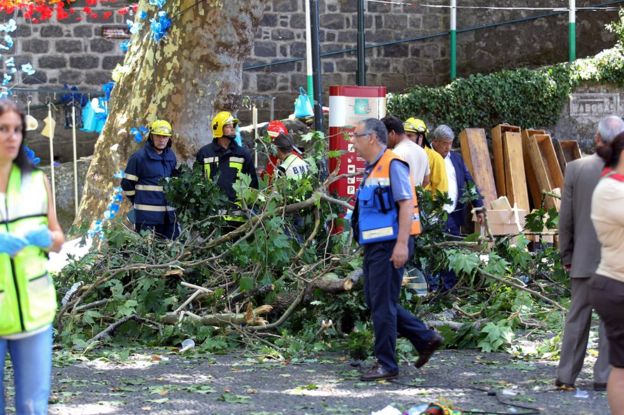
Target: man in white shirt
{"points": [[409, 151]]}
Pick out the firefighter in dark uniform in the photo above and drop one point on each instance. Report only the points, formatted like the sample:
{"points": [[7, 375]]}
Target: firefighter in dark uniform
{"points": [[385, 219], [142, 182], [224, 160]]}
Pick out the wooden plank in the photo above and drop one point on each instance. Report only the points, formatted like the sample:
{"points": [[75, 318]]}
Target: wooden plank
{"points": [[533, 186], [476, 155], [515, 176], [499, 159]]}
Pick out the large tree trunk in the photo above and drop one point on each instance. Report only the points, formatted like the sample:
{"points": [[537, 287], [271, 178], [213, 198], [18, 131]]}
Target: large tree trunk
{"points": [[194, 71]]}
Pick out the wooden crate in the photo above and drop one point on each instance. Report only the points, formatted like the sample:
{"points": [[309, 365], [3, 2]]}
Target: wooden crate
{"points": [[567, 151], [498, 152], [534, 190], [545, 166], [476, 155]]}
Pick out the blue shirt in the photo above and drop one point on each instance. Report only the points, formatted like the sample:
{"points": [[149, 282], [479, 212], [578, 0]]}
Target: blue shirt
{"points": [[399, 178]]}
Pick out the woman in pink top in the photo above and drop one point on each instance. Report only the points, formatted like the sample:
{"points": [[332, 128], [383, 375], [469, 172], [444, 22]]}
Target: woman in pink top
{"points": [[607, 286]]}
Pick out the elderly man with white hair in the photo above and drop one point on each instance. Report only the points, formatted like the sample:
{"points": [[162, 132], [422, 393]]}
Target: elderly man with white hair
{"points": [[459, 179]]}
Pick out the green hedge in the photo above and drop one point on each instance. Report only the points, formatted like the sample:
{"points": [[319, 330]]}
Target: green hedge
{"points": [[524, 97]]}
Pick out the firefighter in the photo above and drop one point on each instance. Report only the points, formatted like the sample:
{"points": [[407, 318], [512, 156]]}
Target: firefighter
{"points": [[416, 130], [142, 182], [224, 160]]}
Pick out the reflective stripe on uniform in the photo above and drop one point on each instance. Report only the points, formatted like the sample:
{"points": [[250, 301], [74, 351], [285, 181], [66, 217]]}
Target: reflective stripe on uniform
{"points": [[132, 177], [129, 192], [149, 188], [152, 208], [377, 181], [211, 159], [237, 160]]}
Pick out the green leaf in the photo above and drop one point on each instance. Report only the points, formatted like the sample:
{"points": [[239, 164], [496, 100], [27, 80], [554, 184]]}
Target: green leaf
{"points": [[246, 283]]}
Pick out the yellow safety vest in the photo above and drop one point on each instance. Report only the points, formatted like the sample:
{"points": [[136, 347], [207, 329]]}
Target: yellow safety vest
{"points": [[27, 296]]}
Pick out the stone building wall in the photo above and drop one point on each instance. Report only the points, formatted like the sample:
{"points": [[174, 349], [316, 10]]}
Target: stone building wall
{"points": [[73, 51]]}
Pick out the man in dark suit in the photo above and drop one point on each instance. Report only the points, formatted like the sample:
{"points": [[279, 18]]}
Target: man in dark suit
{"points": [[580, 254], [459, 182], [459, 179]]}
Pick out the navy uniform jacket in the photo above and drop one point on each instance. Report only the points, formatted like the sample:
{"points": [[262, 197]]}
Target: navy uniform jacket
{"points": [[463, 176], [225, 164], [142, 185]]}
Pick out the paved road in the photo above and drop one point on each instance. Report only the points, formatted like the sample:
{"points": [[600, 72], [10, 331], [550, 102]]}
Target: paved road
{"points": [[161, 382]]}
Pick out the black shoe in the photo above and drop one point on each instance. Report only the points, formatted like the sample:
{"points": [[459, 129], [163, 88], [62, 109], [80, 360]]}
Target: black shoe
{"points": [[425, 354], [378, 372], [600, 386], [565, 387]]}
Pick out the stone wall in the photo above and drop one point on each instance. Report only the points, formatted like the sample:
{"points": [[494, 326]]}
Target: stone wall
{"points": [[74, 52]]}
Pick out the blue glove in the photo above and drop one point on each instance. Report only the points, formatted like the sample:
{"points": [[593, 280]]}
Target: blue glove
{"points": [[39, 237], [11, 244]]}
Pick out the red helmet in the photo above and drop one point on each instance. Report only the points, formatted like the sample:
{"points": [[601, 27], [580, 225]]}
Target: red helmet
{"points": [[275, 128]]}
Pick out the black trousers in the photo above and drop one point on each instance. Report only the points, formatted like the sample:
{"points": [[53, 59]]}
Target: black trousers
{"points": [[382, 286]]}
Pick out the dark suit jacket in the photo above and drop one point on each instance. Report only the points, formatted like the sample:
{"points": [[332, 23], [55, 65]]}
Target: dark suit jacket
{"points": [[578, 243], [463, 176]]}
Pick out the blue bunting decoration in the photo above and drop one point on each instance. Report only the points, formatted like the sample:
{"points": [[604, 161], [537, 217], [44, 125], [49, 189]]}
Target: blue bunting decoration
{"points": [[124, 46], [160, 26], [159, 3], [138, 133], [31, 156], [108, 89]]}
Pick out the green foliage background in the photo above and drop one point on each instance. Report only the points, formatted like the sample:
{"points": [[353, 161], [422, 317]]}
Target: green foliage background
{"points": [[524, 97]]}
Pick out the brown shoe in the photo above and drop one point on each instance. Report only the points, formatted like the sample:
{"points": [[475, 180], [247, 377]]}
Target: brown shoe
{"points": [[564, 387], [425, 354], [378, 372]]}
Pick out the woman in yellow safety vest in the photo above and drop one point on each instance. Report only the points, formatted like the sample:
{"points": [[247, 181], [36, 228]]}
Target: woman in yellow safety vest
{"points": [[28, 230]]}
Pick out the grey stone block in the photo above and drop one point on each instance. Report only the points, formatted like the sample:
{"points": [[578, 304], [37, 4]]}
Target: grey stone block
{"points": [[69, 46], [297, 21], [265, 82], [83, 31], [51, 31], [265, 49], [102, 45], [297, 49], [98, 77], [38, 78], [71, 77], [52, 62], [268, 20], [282, 34], [84, 62], [286, 5], [35, 45], [333, 21], [22, 31], [110, 62], [396, 51]]}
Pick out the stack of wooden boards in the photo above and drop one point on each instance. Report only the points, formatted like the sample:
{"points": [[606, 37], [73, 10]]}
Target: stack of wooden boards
{"points": [[528, 167]]}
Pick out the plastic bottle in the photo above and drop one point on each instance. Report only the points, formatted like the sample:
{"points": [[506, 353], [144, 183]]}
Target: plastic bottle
{"points": [[186, 345]]}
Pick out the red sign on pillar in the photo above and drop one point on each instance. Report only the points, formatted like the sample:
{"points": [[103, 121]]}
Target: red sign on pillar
{"points": [[347, 106]]}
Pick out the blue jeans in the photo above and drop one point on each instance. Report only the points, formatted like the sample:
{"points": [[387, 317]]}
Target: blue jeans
{"points": [[32, 372]]}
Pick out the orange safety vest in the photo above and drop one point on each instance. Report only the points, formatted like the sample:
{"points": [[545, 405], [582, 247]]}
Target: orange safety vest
{"points": [[377, 212]]}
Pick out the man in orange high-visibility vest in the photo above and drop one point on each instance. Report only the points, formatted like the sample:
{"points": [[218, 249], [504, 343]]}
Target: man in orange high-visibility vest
{"points": [[384, 220]]}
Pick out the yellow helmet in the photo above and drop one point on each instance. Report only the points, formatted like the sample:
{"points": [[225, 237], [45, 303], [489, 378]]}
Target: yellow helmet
{"points": [[415, 125], [220, 120], [161, 127]]}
